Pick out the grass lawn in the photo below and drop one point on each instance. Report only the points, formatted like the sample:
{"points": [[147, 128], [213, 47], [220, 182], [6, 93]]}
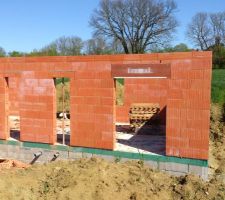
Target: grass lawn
{"points": [[218, 86]]}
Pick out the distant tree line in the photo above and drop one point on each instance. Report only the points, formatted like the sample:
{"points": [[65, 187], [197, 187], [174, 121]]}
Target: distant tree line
{"points": [[71, 46], [139, 26], [94, 46]]}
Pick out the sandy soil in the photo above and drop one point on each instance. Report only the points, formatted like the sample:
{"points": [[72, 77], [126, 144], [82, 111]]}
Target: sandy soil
{"points": [[98, 179], [217, 142]]}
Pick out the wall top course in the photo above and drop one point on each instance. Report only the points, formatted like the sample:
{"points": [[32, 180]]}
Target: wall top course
{"points": [[111, 58]]}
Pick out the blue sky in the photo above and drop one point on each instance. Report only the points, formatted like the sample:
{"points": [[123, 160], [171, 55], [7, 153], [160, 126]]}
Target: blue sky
{"points": [[29, 24]]}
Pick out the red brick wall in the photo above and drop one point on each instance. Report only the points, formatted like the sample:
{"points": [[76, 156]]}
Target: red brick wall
{"points": [[92, 107], [188, 108], [4, 109], [187, 102], [13, 96], [37, 109], [186, 96]]}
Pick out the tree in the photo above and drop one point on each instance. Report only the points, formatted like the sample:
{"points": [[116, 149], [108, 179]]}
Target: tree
{"points": [[49, 50], [64, 46], [136, 24], [218, 50], [100, 45], [2, 52], [205, 29], [199, 31], [218, 56], [177, 48], [217, 21], [181, 48], [96, 46], [16, 54]]}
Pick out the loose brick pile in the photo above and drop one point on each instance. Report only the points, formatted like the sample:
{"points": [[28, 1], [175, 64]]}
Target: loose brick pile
{"points": [[142, 113]]}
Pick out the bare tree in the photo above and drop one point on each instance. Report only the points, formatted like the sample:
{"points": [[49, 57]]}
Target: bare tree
{"points": [[100, 45], [96, 46], [137, 24], [218, 26], [199, 31]]}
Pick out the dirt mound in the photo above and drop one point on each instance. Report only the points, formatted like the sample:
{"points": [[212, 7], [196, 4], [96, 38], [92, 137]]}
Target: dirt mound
{"points": [[217, 141], [98, 179], [191, 187], [8, 164]]}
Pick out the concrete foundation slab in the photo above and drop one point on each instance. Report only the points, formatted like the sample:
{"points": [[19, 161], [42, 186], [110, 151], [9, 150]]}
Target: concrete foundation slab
{"points": [[46, 153]]}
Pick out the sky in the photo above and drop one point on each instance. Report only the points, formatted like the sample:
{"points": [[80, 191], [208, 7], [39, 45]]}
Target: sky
{"points": [[31, 24]]}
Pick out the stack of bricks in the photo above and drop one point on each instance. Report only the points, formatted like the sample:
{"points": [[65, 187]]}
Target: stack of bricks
{"points": [[37, 109], [92, 107], [140, 114]]}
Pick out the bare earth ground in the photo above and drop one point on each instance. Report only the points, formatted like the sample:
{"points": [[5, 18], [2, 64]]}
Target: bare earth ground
{"points": [[98, 179], [217, 142]]}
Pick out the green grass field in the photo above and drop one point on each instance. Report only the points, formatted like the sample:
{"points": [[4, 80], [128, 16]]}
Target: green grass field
{"points": [[119, 91], [218, 86]]}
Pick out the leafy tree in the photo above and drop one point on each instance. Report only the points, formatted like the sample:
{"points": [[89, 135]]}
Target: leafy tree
{"points": [[177, 48], [63, 46], [218, 54], [136, 24], [16, 54], [66, 46], [181, 48], [49, 50]]}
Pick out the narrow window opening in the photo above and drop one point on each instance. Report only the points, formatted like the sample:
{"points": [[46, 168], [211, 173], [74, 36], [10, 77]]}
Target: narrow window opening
{"points": [[13, 110], [63, 110], [119, 91]]}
